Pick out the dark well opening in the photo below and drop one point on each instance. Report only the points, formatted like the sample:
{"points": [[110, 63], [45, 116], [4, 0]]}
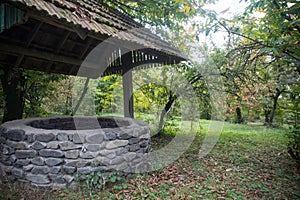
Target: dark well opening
{"points": [[81, 123]]}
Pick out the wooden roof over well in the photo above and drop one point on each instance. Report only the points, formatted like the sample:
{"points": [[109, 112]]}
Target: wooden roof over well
{"points": [[57, 35]]}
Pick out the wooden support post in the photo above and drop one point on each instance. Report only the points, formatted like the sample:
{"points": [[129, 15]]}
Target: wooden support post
{"points": [[128, 94], [127, 86]]}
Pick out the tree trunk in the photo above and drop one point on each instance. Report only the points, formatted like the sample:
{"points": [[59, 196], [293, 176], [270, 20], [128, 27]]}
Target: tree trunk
{"points": [[275, 100], [239, 117], [267, 116], [12, 81], [165, 111]]}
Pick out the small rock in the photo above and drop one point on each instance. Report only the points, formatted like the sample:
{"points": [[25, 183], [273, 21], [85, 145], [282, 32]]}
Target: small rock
{"points": [[51, 153], [62, 137], [116, 143], [17, 145], [117, 160], [38, 145], [57, 178], [39, 179], [68, 178], [54, 170], [17, 172], [38, 161], [25, 153], [45, 137], [53, 161], [78, 139], [73, 154], [88, 155], [95, 138], [134, 140], [110, 136], [124, 136], [13, 158], [84, 170], [28, 167], [129, 156], [68, 146], [134, 147], [40, 170], [94, 147], [52, 145], [69, 169], [16, 135]]}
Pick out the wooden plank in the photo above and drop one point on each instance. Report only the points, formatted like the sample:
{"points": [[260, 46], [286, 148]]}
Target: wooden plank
{"points": [[16, 50], [127, 86]]}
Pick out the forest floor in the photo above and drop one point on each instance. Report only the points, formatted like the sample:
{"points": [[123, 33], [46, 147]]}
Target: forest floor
{"points": [[248, 162]]}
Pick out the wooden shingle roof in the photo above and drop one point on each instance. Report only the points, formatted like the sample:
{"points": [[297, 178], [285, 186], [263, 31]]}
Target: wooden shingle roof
{"points": [[56, 36]]}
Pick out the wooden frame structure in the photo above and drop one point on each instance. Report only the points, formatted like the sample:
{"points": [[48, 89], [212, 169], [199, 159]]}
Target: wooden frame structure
{"points": [[56, 36]]}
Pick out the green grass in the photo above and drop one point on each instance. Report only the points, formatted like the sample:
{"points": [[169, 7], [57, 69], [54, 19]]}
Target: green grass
{"points": [[248, 162]]}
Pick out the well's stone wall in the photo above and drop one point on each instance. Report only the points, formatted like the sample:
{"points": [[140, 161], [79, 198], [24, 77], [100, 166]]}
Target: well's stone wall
{"points": [[51, 152]]}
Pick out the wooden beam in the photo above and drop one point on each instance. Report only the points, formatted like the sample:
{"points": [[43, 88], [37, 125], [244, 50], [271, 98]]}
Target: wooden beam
{"points": [[33, 34], [16, 50], [127, 86], [58, 48]]}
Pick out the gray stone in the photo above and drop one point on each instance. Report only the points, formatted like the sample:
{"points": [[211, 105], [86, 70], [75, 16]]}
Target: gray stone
{"points": [[69, 169], [110, 136], [62, 137], [7, 150], [38, 145], [54, 170], [45, 137], [88, 155], [39, 179], [57, 178], [2, 140], [84, 170], [51, 153], [134, 140], [95, 138], [117, 160], [68, 178], [28, 167], [121, 150], [13, 158], [40, 170], [116, 143], [73, 154], [134, 147], [103, 161], [107, 152], [123, 135], [17, 172], [144, 143], [121, 166], [100, 169], [129, 156], [17, 145], [25, 153], [38, 161], [94, 147], [52, 145], [76, 163], [68, 146], [53, 161], [16, 135], [5, 159], [78, 139], [31, 138]]}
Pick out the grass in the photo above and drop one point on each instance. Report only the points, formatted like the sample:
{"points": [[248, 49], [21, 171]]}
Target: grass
{"points": [[248, 162]]}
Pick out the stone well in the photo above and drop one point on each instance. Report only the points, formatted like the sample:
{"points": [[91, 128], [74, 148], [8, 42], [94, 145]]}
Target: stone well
{"points": [[54, 151]]}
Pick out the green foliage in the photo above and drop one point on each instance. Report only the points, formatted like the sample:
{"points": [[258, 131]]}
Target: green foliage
{"points": [[38, 87], [294, 143]]}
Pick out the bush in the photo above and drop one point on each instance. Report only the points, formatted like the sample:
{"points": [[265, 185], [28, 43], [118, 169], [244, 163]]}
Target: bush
{"points": [[294, 143]]}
